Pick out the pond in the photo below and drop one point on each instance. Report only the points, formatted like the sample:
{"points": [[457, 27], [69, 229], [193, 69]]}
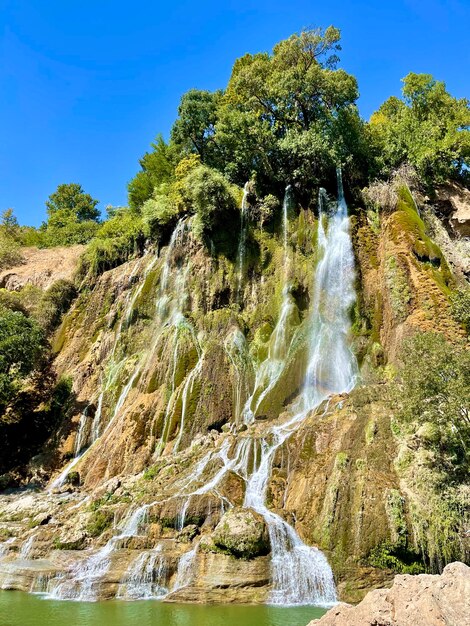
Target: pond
{"points": [[23, 609]]}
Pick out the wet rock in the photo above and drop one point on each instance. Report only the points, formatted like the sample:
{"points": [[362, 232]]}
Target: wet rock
{"points": [[242, 533], [71, 540], [423, 600], [187, 534]]}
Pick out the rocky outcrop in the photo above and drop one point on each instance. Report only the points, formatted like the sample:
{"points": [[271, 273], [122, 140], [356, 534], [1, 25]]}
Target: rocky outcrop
{"points": [[42, 267], [242, 533], [424, 600], [453, 201]]}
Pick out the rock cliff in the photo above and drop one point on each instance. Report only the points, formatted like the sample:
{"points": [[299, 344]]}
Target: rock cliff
{"points": [[187, 373]]}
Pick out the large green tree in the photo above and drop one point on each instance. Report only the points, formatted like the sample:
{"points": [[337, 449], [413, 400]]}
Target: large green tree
{"points": [[71, 198], [428, 128], [72, 216], [157, 168], [194, 129], [296, 109]]}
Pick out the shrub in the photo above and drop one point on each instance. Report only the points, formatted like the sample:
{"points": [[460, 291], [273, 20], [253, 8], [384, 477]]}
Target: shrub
{"points": [[437, 399], [10, 253], [460, 307], [22, 344]]}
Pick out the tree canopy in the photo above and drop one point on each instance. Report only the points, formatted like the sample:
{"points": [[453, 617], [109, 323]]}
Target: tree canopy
{"points": [[428, 128]]}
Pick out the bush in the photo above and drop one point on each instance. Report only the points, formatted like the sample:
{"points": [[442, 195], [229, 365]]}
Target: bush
{"points": [[54, 303], [214, 200], [10, 253], [436, 399], [116, 240], [67, 232], [460, 307], [22, 344]]}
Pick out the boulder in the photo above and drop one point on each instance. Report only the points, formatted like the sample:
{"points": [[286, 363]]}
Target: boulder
{"points": [[242, 533], [424, 600]]}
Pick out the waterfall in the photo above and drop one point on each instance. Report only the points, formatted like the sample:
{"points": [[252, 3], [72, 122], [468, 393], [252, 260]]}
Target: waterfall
{"points": [[332, 367], [186, 569], [300, 573], [86, 576], [270, 370], [242, 243], [236, 348], [5, 546], [84, 433], [146, 577]]}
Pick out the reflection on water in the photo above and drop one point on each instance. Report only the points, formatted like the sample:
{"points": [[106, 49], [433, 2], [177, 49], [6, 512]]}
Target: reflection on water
{"points": [[21, 609]]}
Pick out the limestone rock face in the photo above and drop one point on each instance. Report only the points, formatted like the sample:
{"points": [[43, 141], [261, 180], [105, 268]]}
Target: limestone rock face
{"points": [[424, 600], [42, 267], [243, 533]]}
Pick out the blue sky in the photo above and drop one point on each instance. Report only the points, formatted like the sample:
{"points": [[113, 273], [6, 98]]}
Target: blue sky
{"points": [[85, 85]]}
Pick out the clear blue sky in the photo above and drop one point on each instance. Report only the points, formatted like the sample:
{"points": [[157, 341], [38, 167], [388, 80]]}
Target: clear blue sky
{"points": [[85, 85]]}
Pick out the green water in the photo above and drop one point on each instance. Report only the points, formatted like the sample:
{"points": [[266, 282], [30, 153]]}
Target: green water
{"points": [[22, 609]]}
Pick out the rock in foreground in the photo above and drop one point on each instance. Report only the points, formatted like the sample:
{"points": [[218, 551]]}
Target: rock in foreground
{"points": [[424, 600]]}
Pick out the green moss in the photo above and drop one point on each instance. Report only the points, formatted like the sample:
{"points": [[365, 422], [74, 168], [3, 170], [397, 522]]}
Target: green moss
{"points": [[370, 431], [100, 521], [399, 291], [386, 556], [408, 222]]}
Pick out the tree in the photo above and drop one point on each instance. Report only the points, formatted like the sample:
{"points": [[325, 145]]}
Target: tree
{"points": [[9, 240], [157, 168], [72, 200], [72, 217], [428, 128], [9, 223], [194, 129], [22, 343], [435, 399], [291, 105]]}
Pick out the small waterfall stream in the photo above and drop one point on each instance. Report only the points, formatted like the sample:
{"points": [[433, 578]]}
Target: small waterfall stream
{"points": [[87, 575], [270, 370], [242, 243]]}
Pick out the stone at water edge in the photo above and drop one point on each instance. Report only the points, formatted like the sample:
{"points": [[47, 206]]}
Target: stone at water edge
{"points": [[423, 600], [243, 533]]}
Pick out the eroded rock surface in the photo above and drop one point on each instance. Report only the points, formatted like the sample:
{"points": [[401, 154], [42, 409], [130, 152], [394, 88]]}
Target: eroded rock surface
{"points": [[424, 600], [42, 267]]}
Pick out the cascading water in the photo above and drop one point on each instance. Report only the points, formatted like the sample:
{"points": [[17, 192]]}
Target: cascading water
{"points": [[146, 578], [242, 243], [332, 367], [300, 574], [270, 370], [86, 434], [86, 576]]}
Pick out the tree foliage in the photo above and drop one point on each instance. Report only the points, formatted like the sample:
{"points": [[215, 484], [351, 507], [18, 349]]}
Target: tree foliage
{"points": [[428, 128], [194, 129], [72, 217], [157, 168], [70, 198], [22, 342], [436, 399]]}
